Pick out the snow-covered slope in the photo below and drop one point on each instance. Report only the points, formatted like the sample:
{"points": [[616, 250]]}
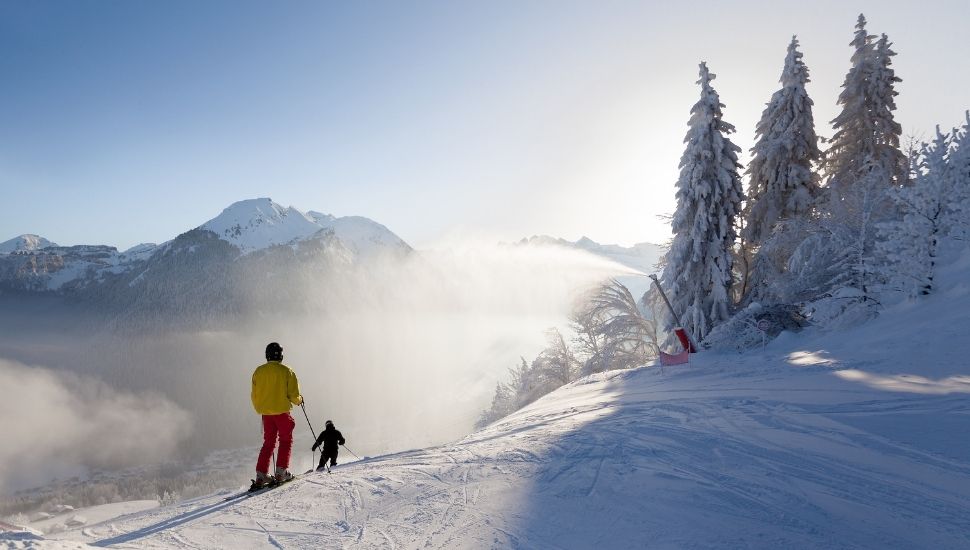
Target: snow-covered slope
{"points": [[258, 223], [24, 243], [362, 235], [841, 440]]}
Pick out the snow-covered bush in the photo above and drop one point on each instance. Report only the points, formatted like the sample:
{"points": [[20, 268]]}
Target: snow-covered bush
{"points": [[910, 246], [959, 165], [610, 333], [611, 330], [169, 497], [753, 327], [846, 307]]}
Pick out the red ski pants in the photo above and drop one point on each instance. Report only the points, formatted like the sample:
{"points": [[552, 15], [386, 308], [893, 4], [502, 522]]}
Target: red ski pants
{"points": [[276, 425]]}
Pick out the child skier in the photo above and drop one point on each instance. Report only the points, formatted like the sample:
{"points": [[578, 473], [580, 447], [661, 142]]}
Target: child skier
{"points": [[330, 438]]}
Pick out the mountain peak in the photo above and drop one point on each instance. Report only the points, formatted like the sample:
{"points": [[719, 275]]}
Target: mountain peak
{"points": [[255, 224], [25, 242], [259, 223]]}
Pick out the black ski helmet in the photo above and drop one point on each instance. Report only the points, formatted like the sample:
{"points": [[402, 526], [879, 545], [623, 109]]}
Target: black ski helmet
{"points": [[274, 352], [329, 424]]}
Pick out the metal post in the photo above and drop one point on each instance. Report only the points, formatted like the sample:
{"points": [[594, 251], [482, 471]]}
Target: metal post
{"points": [[672, 312]]}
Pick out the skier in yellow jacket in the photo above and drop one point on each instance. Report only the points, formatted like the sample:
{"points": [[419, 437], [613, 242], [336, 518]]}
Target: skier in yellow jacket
{"points": [[275, 391]]}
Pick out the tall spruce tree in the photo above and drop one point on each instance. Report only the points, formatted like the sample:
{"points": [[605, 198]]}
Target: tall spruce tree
{"points": [[699, 263], [783, 184], [862, 164], [887, 155], [866, 139]]}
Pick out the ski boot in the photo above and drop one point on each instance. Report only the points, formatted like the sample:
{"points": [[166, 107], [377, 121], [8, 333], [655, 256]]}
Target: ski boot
{"points": [[282, 475], [262, 480]]}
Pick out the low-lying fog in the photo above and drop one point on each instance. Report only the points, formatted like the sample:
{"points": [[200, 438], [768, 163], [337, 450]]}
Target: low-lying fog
{"points": [[399, 355]]}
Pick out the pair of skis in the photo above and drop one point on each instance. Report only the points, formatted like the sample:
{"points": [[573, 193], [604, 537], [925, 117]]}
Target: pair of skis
{"points": [[253, 492]]}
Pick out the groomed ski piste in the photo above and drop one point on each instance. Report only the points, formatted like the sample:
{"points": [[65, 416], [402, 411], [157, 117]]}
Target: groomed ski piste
{"points": [[842, 439]]}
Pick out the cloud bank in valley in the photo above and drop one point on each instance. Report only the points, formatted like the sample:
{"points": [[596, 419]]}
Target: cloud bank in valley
{"points": [[407, 354], [59, 424]]}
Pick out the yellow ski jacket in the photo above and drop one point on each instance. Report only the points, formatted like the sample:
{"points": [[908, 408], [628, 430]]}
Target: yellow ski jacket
{"points": [[275, 389]]}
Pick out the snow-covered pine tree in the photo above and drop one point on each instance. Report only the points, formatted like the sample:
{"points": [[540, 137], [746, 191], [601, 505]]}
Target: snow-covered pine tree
{"points": [[847, 152], [866, 136], [699, 263], [783, 184], [557, 363], [862, 164], [887, 154], [959, 163], [910, 246]]}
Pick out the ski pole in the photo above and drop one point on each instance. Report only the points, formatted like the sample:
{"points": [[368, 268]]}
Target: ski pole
{"points": [[313, 455], [351, 452], [303, 406]]}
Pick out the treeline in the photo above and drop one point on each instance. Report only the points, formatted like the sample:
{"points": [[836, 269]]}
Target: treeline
{"points": [[833, 234]]}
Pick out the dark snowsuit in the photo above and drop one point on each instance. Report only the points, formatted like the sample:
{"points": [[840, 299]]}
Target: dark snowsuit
{"points": [[330, 439]]}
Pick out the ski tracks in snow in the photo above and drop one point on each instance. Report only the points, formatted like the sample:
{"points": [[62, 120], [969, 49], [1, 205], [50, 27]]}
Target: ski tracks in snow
{"points": [[619, 469]]}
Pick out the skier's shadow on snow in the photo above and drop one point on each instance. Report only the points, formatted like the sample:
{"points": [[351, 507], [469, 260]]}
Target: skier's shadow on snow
{"points": [[169, 523]]}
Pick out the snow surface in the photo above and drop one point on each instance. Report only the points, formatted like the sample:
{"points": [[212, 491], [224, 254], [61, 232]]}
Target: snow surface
{"points": [[23, 243], [255, 224], [855, 439], [92, 515]]}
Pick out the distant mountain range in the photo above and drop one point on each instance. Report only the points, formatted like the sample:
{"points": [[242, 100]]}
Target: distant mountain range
{"points": [[32, 263], [24, 243], [641, 256], [255, 256]]}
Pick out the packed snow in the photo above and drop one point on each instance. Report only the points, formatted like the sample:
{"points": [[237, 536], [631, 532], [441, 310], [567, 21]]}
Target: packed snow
{"points": [[849, 439]]}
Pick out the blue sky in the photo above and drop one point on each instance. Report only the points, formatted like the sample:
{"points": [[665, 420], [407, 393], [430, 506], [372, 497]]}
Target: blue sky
{"points": [[127, 122]]}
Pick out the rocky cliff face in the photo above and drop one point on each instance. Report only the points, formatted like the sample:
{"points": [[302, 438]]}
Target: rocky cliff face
{"points": [[55, 268]]}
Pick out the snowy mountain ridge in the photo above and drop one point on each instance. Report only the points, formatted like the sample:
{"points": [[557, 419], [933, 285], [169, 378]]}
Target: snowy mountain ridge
{"points": [[24, 243], [33, 263], [256, 224], [642, 257]]}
